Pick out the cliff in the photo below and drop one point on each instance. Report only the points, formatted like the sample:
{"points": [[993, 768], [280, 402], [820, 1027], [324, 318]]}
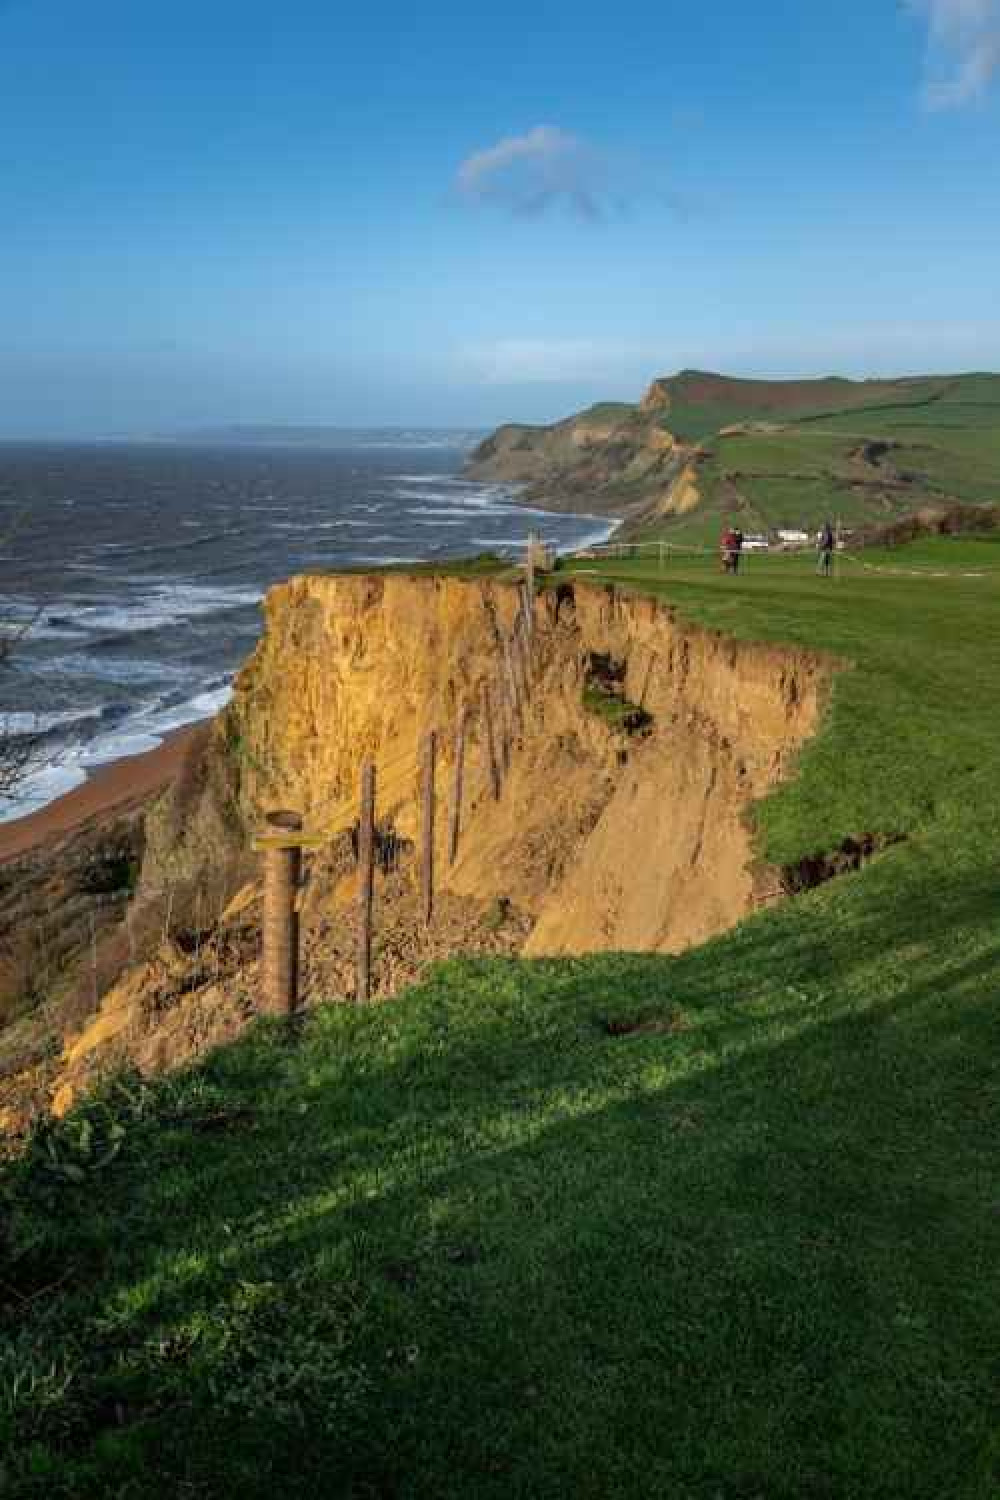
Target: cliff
{"points": [[774, 452], [613, 831], [614, 460]]}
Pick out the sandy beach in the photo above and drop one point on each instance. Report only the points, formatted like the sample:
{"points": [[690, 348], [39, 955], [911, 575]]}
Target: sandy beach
{"points": [[115, 788]]}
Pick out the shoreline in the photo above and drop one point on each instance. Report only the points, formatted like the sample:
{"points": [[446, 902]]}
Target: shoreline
{"points": [[120, 787], [116, 789]]}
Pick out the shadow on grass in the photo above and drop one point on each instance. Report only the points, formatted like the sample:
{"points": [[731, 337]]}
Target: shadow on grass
{"points": [[468, 1244]]}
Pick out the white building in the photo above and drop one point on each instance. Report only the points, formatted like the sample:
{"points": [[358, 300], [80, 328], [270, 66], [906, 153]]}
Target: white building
{"points": [[792, 538]]}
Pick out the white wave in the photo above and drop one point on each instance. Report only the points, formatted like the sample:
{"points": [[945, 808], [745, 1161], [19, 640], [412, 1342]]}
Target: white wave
{"points": [[425, 479], [18, 722], [135, 735], [145, 731], [39, 789], [166, 604], [112, 669]]}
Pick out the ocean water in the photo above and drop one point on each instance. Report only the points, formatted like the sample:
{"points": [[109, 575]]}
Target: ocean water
{"points": [[136, 572]]}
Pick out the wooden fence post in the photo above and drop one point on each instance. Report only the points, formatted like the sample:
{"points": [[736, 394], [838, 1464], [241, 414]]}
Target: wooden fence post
{"points": [[455, 831], [491, 744], [507, 729], [93, 959], [280, 928], [513, 687], [523, 663], [427, 827], [366, 882], [528, 611], [530, 566]]}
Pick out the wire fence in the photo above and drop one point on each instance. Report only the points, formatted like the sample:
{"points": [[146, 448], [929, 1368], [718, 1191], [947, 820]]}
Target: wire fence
{"points": [[479, 744], [226, 922]]}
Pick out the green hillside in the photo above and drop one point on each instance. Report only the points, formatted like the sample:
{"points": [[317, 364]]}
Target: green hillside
{"points": [[717, 1227], [770, 454], [696, 403], [868, 463]]}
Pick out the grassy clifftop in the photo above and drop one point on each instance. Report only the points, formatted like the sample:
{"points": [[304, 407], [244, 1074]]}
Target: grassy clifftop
{"points": [[700, 447], [718, 1226]]}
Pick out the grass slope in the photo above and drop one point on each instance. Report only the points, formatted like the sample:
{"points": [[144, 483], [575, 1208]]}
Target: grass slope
{"points": [[470, 1244], [700, 402], [944, 442]]}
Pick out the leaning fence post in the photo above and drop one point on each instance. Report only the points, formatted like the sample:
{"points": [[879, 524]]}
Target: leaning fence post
{"points": [[491, 744], [427, 826], [506, 716], [523, 660], [128, 929], [530, 566], [93, 958], [280, 925], [528, 607], [366, 881], [455, 830], [513, 687]]}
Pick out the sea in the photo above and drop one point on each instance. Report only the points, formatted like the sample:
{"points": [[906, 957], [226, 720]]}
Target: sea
{"points": [[131, 575]]}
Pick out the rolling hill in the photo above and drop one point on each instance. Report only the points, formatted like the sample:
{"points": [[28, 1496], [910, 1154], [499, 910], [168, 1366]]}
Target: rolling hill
{"points": [[700, 447]]}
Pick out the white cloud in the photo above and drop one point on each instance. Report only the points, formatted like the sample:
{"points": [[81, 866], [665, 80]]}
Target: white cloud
{"points": [[964, 49], [544, 168]]}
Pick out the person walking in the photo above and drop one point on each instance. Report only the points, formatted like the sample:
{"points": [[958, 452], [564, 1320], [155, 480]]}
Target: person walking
{"points": [[726, 543], [827, 543]]}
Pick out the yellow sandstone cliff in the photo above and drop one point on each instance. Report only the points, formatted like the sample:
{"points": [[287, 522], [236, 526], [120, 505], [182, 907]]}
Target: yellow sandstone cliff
{"points": [[602, 839]]}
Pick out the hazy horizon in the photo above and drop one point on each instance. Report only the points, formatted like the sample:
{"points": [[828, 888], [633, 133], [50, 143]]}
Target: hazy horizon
{"points": [[247, 429]]}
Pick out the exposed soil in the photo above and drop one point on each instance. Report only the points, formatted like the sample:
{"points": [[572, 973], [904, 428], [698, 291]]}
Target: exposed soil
{"points": [[603, 839], [853, 854]]}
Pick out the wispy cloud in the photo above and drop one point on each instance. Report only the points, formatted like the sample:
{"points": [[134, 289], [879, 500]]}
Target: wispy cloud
{"points": [[964, 49], [550, 168]]}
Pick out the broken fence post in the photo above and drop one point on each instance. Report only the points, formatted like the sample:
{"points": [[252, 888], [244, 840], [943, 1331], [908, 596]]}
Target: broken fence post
{"points": [[530, 565], [280, 924], [513, 686], [93, 957], [366, 882], [506, 724], [427, 826], [522, 652], [491, 744], [455, 830]]}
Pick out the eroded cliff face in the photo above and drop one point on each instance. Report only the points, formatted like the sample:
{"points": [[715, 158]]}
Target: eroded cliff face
{"points": [[611, 831], [611, 460], [607, 840]]}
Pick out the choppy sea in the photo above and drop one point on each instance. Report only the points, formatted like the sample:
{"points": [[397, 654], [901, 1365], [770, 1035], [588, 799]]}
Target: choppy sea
{"points": [[135, 572]]}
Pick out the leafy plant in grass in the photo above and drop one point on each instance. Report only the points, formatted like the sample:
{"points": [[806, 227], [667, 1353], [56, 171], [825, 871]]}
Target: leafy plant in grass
{"points": [[618, 713]]}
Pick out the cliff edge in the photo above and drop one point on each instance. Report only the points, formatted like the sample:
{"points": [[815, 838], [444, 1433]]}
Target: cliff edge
{"points": [[624, 820]]}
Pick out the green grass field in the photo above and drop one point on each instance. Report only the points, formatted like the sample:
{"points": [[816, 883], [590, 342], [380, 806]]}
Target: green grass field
{"points": [[479, 1242], [945, 438]]}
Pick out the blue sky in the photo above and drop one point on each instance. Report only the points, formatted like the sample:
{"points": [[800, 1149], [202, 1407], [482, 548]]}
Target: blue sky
{"points": [[458, 213]]}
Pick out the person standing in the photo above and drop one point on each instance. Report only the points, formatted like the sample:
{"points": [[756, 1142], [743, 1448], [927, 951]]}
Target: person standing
{"points": [[737, 548], [827, 543]]}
